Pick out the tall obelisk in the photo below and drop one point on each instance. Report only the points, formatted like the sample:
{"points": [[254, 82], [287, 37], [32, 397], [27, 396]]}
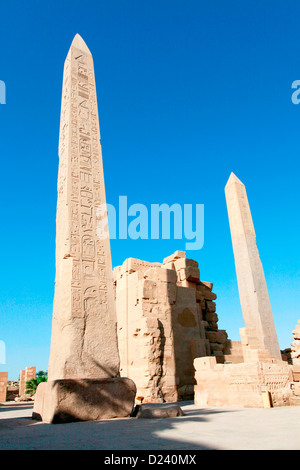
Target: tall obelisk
{"points": [[84, 338], [253, 292], [83, 374]]}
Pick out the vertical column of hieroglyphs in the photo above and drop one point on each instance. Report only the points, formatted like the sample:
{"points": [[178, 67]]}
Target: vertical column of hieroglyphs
{"points": [[84, 341], [252, 285]]}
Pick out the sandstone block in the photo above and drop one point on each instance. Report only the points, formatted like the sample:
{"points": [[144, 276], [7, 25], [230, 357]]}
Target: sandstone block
{"points": [[174, 256], [216, 336], [168, 265], [296, 373], [190, 274], [296, 389], [183, 263], [296, 332], [149, 412], [187, 269], [213, 326], [152, 322], [209, 285], [217, 347], [159, 274], [132, 265], [211, 317], [210, 306], [149, 289], [205, 293], [186, 283], [68, 400], [204, 363]]}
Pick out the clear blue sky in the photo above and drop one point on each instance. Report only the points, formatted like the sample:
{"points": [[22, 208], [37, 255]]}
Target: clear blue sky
{"points": [[188, 91]]}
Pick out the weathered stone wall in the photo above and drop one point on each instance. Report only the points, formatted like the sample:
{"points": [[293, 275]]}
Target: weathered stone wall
{"points": [[233, 352], [242, 384], [144, 328], [166, 318], [12, 391], [296, 344]]}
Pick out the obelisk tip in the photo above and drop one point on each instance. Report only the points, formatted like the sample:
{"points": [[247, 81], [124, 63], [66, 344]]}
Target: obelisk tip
{"points": [[233, 179], [79, 43]]}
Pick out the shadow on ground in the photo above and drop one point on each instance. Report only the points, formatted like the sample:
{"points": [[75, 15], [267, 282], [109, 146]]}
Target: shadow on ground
{"points": [[178, 433]]}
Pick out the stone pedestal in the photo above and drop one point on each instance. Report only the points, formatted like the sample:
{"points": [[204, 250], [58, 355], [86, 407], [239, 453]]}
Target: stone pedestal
{"points": [[67, 400]]}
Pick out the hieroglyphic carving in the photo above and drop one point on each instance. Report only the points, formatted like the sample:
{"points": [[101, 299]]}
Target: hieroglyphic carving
{"points": [[85, 184], [84, 311]]}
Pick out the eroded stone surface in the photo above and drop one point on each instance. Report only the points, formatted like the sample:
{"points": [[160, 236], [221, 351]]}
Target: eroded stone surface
{"points": [[252, 285], [68, 400], [242, 384], [165, 411], [166, 318], [84, 339]]}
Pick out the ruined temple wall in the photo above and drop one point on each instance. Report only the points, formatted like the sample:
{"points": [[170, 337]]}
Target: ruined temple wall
{"points": [[247, 384], [166, 318], [144, 329]]}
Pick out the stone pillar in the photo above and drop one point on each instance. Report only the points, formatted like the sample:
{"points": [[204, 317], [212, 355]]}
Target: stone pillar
{"points": [[22, 383], [29, 374], [25, 376], [3, 386], [84, 337], [254, 298]]}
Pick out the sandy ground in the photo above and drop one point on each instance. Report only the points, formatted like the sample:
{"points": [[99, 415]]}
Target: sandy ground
{"points": [[198, 429]]}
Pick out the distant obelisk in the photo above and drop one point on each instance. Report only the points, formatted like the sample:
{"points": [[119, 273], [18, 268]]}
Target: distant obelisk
{"points": [[253, 292], [83, 374]]}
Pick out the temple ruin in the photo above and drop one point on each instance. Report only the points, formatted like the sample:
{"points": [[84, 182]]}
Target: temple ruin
{"points": [[166, 317]]}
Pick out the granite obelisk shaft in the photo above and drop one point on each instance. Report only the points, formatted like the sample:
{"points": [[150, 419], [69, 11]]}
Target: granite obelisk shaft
{"points": [[254, 297], [84, 338]]}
